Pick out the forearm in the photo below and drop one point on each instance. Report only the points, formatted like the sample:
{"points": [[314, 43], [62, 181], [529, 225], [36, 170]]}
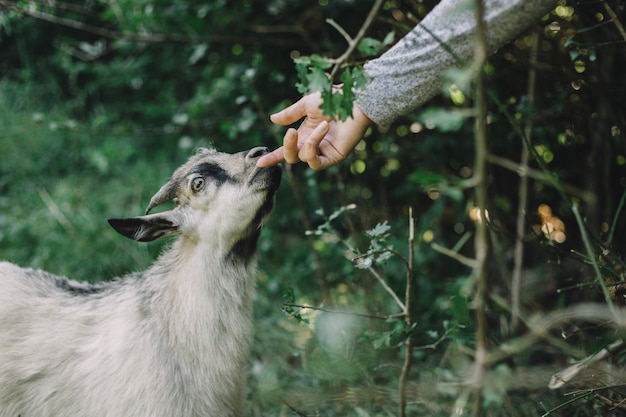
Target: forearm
{"points": [[412, 71]]}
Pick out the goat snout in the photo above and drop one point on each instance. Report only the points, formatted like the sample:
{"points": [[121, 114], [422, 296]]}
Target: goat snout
{"points": [[257, 152]]}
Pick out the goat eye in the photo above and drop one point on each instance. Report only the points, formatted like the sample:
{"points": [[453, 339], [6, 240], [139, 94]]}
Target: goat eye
{"points": [[197, 184]]}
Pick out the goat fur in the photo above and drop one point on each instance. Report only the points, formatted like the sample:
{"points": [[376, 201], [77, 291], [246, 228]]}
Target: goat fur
{"points": [[170, 341]]}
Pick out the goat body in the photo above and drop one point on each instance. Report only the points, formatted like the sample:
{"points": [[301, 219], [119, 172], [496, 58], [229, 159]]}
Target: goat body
{"points": [[170, 341]]}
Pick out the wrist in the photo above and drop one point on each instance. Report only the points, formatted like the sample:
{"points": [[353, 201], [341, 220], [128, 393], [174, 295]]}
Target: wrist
{"points": [[360, 119]]}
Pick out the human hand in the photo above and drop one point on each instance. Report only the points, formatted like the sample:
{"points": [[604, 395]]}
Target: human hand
{"points": [[320, 141]]}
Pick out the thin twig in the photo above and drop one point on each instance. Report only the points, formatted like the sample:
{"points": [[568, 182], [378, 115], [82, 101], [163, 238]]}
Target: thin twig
{"points": [[408, 297], [436, 343], [293, 409], [454, 255], [543, 176], [618, 212], [520, 227], [341, 31], [379, 278], [56, 212], [354, 42], [539, 327], [563, 377], [380, 252], [593, 259], [387, 288], [615, 19], [481, 244]]}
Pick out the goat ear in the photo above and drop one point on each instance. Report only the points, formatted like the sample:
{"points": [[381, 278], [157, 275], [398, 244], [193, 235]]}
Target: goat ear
{"points": [[145, 228]]}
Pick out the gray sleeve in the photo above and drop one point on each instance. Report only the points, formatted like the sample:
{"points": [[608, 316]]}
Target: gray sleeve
{"points": [[411, 72]]}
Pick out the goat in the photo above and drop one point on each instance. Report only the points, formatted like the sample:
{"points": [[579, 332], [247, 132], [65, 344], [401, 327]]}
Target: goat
{"points": [[170, 341]]}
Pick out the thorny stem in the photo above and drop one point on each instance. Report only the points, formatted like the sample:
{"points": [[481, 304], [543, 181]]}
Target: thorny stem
{"points": [[408, 356]]}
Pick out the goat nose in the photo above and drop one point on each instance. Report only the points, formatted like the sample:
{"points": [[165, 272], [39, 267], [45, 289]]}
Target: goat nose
{"points": [[257, 152]]}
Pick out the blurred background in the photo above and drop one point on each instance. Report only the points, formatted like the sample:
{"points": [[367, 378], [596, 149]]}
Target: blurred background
{"points": [[101, 99]]}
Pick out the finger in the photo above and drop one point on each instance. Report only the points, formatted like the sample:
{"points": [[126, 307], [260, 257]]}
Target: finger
{"points": [[290, 114], [310, 148], [311, 152], [315, 159], [318, 134], [290, 146], [273, 158]]}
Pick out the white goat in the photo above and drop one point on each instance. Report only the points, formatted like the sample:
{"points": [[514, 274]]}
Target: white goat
{"points": [[169, 341]]}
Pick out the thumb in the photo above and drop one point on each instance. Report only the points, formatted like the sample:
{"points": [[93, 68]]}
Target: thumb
{"points": [[290, 114]]}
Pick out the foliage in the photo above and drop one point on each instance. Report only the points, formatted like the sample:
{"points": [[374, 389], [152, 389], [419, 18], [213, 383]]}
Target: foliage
{"points": [[99, 101]]}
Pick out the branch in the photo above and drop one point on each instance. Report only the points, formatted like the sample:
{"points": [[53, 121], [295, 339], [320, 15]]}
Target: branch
{"points": [[562, 377], [472, 263], [380, 279], [593, 258], [408, 297], [293, 409], [540, 326], [518, 254], [615, 19], [56, 212], [481, 242], [543, 176], [380, 252], [436, 343], [353, 43]]}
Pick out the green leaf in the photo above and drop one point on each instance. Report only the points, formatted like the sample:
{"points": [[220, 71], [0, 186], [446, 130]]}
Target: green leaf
{"points": [[389, 38], [346, 89], [311, 72], [317, 80], [380, 229], [369, 46]]}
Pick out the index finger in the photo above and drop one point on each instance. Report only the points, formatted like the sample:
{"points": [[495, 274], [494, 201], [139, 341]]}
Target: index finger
{"points": [[273, 158]]}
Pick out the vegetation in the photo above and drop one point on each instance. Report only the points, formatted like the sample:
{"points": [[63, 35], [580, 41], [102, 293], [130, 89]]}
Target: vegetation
{"points": [[448, 267]]}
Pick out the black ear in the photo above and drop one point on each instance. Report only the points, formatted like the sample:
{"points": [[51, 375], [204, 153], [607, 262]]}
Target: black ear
{"points": [[144, 228]]}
